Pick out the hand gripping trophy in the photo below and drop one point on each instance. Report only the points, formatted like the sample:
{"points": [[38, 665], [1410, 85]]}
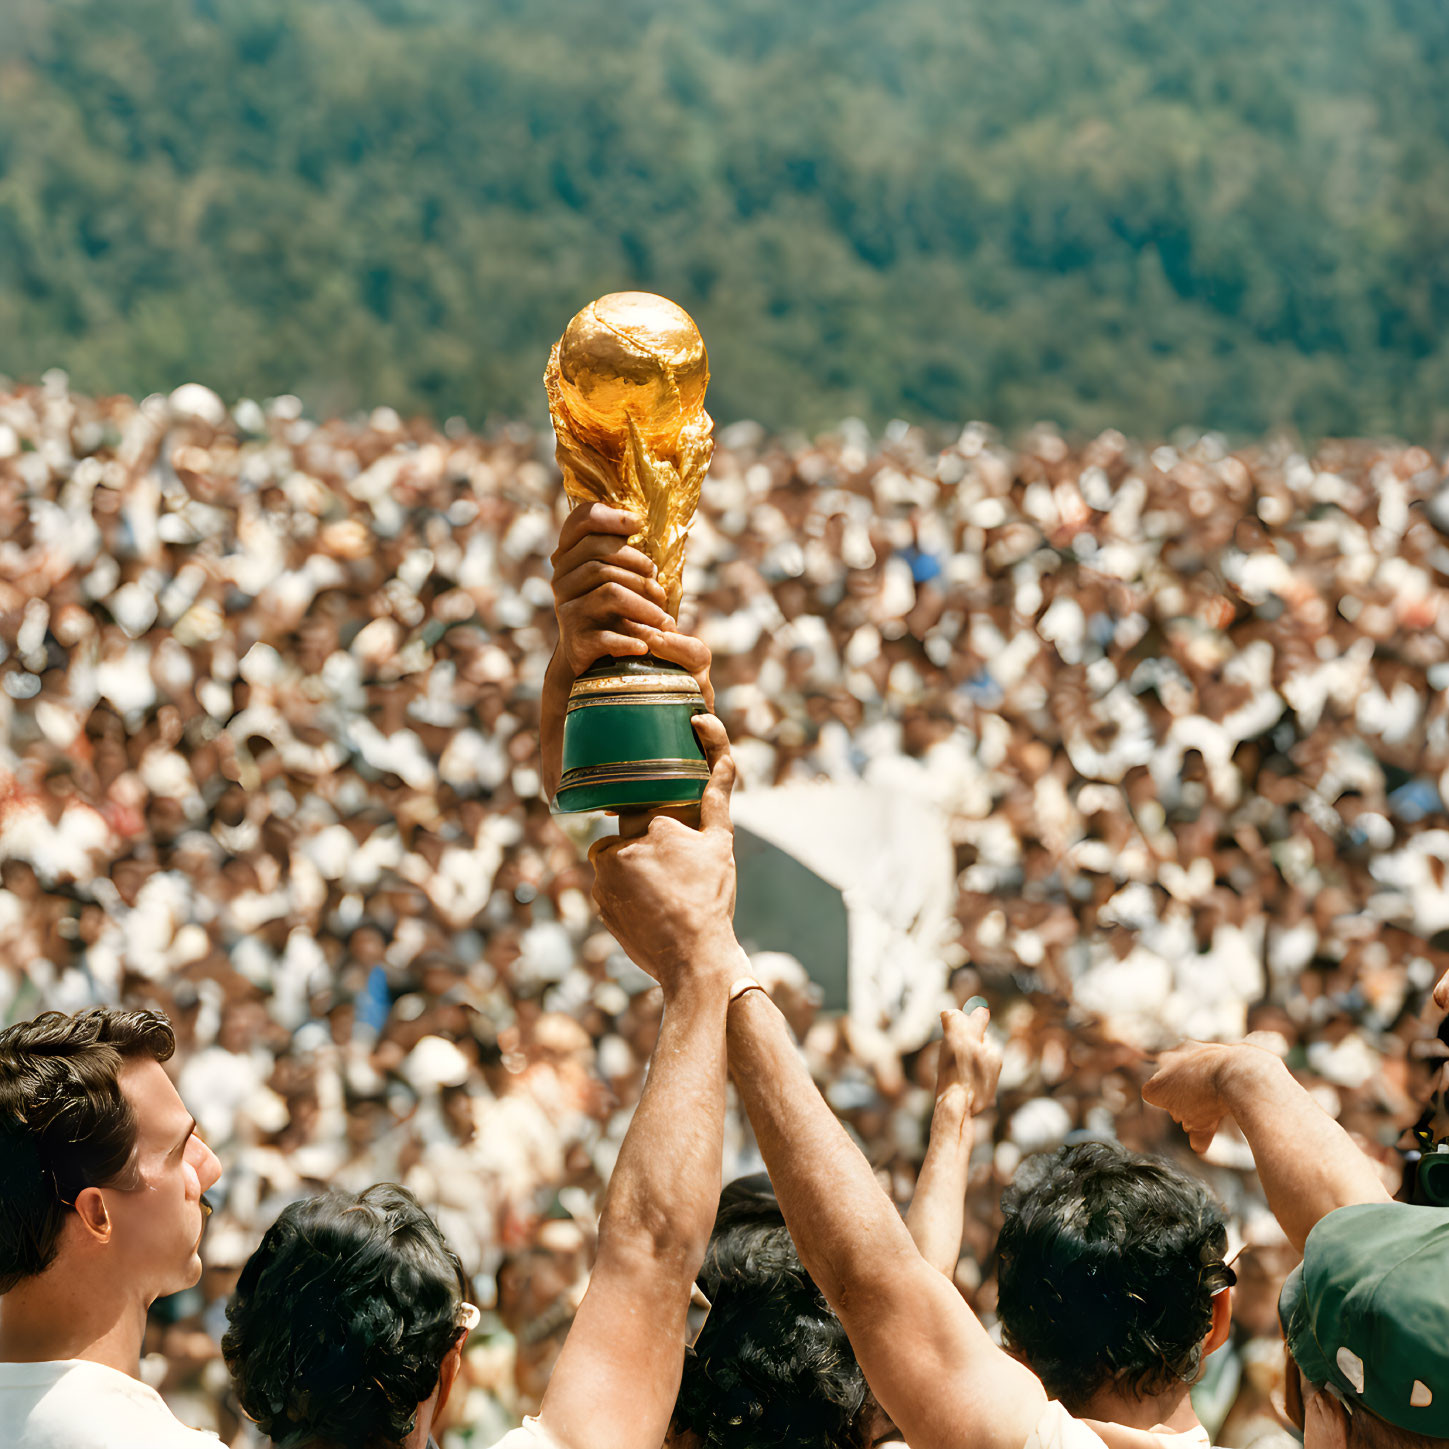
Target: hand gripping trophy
{"points": [[626, 388]]}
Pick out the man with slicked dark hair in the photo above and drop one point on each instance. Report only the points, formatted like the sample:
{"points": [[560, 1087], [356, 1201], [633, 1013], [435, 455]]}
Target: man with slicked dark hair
{"points": [[101, 1183]]}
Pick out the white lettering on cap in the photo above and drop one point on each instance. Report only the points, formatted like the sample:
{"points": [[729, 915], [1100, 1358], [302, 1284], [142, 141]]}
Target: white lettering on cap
{"points": [[1419, 1396], [1350, 1365]]}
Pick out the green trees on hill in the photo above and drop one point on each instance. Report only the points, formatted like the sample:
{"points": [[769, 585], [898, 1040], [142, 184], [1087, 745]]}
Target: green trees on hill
{"points": [[1130, 212]]}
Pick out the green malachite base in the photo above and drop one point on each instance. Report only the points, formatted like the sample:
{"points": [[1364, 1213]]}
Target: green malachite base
{"points": [[627, 741]]}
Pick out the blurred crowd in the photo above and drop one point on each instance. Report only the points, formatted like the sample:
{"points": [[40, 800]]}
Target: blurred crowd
{"points": [[269, 759]]}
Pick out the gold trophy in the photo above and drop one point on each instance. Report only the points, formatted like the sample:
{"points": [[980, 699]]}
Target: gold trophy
{"points": [[626, 388]]}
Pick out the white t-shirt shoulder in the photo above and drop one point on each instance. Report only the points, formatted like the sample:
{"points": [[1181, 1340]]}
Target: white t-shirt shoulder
{"points": [[75, 1404], [1198, 1438], [1057, 1429], [530, 1436]]}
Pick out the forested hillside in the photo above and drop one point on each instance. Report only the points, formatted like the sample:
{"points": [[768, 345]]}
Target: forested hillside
{"points": [[1142, 213]]}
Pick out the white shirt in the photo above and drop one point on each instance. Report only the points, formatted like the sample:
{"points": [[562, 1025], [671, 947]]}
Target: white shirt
{"points": [[1057, 1429], [530, 1436], [75, 1404]]}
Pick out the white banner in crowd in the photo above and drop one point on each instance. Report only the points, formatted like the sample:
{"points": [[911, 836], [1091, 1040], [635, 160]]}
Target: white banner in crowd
{"points": [[884, 857]]}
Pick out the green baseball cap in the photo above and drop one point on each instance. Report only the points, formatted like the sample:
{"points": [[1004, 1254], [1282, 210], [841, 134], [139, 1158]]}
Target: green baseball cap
{"points": [[1367, 1312]]}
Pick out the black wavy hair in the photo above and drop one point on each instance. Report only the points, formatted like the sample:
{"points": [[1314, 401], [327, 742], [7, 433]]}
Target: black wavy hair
{"points": [[342, 1318], [65, 1124], [1108, 1263], [772, 1365]]}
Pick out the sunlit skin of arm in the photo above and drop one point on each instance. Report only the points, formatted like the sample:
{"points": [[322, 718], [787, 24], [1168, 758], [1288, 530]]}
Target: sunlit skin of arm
{"points": [[966, 1079], [926, 1356], [969, 1070], [1307, 1163], [617, 1377]]}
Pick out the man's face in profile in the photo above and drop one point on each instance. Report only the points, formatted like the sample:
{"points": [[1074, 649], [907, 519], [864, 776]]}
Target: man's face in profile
{"points": [[157, 1212]]}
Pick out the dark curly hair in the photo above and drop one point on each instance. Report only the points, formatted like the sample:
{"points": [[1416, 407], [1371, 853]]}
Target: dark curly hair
{"points": [[342, 1318], [65, 1124], [772, 1365], [1108, 1263]]}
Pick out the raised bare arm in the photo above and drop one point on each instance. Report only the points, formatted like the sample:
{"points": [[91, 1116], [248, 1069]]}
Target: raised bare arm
{"points": [[924, 1353], [617, 1377], [930, 1362], [966, 1078], [1307, 1163]]}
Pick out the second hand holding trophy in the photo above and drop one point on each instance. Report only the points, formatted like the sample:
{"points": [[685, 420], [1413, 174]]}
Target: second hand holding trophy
{"points": [[626, 385]]}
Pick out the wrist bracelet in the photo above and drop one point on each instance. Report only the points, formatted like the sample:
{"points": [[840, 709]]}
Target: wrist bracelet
{"points": [[744, 984]]}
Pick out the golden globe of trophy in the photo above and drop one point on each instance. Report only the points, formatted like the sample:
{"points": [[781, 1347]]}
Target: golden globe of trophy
{"points": [[626, 388]]}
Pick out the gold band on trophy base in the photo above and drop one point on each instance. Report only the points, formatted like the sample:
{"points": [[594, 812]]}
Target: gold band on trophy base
{"points": [[607, 699], [616, 686], [631, 770]]}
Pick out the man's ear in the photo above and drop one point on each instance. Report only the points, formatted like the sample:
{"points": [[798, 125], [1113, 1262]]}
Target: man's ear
{"points": [[1325, 1422], [1217, 1334], [448, 1376], [90, 1211]]}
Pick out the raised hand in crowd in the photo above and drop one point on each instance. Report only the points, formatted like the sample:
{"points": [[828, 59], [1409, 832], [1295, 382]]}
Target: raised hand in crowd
{"points": [[967, 1072], [1364, 1316], [668, 895], [1128, 1344], [608, 601], [1308, 1165], [606, 593], [617, 1378], [930, 1362], [1090, 1223]]}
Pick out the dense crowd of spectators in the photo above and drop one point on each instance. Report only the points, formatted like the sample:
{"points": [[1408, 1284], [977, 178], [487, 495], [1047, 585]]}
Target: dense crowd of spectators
{"points": [[269, 759]]}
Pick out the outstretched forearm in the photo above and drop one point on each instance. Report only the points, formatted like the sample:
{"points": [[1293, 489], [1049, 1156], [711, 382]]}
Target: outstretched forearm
{"points": [[937, 1215], [618, 1375], [1307, 1163], [927, 1358], [664, 1191], [844, 1226]]}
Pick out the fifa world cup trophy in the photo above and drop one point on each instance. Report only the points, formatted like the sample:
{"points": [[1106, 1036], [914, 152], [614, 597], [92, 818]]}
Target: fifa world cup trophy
{"points": [[626, 388]]}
